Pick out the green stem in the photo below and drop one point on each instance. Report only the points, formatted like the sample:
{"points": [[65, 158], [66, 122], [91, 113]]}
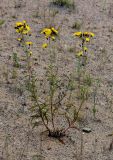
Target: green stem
{"points": [[51, 88], [26, 50], [72, 123]]}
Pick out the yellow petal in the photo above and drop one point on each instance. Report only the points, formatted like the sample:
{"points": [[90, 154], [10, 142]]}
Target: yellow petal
{"points": [[19, 39], [85, 48], [53, 38], [85, 34], [24, 21], [30, 53], [79, 54], [54, 30], [18, 23], [46, 31], [87, 39], [77, 34], [29, 43], [22, 27], [88, 34], [92, 34], [44, 45]]}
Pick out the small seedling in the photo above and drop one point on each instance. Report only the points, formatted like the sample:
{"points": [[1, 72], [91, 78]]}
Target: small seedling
{"points": [[15, 60], [36, 14], [64, 3], [14, 16], [76, 25], [14, 73], [95, 98], [2, 22]]}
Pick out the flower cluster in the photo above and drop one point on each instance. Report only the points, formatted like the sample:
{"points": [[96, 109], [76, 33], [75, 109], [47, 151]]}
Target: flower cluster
{"points": [[22, 27], [50, 34], [85, 37]]}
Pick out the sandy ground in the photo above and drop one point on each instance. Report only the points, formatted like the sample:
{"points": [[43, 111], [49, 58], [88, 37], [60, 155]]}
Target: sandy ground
{"points": [[18, 141]]}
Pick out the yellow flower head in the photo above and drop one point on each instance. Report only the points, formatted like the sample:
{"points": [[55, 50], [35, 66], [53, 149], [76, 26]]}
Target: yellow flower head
{"points": [[53, 38], [22, 27], [88, 34], [19, 27], [91, 34], [49, 32], [18, 24], [79, 54], [78, 34], [54, 31], [85, 48], [29, 43], [87, 39], [45, 45], [19, 39], [26, 29], [24, 21], [30, 53], [84, 34]]}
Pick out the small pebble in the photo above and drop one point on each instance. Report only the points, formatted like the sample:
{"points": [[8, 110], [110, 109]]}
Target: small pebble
{"points": [[49, 148], [87, 130]]}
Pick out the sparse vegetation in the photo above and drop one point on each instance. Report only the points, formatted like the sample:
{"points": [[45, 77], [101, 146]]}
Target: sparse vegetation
{"points": [[2, 22], [56, 84], [47, 110], [64, 3], [76, 25]]}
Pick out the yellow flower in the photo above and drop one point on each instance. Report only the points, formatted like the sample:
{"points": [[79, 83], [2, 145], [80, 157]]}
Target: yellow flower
{"points": [[53, 38], [87, 39], [24, 21], [91, 34], [84, 34], [88, 34], [19, 29], [49, 32], [30, 53], [26, 29], [45, 45], [29, 43], [19, 39], [54, 31], [79, 54], [85, 48], [19, 24], [78, 34], [22, 27]]}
